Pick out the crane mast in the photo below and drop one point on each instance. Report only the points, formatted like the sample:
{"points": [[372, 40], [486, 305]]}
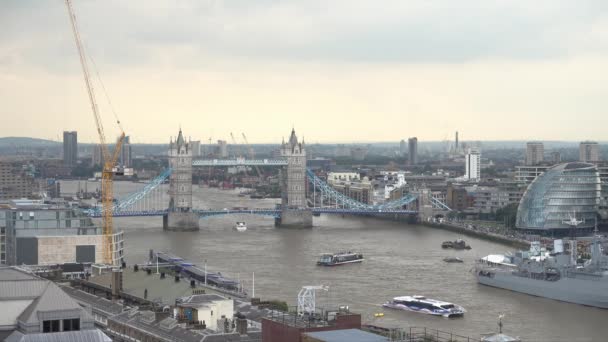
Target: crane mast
{"points": [[109, 159]]}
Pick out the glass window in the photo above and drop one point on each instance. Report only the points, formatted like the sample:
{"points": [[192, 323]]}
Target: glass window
{"points": [[50, 326], [71, 324]]}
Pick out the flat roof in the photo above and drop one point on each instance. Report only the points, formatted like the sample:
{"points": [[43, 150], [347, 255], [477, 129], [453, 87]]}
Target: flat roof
{"points": [[346, 335]]}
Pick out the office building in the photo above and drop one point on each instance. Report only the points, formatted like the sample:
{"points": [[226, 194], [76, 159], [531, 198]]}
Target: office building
{"points": [[456, 143], [70, 148], [473, 165], [535, 152], [412, 144], [361, 190], [15, 182], [336, 177], [589, 152], [222, 149], [556, 157], [37, 233], [97, 156], [402, 148], [557, 194], [36, 309], [195, 145], [126, 159]]}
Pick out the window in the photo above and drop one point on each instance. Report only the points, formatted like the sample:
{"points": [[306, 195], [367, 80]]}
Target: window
{"points": [[71, 324], [50, 326]]}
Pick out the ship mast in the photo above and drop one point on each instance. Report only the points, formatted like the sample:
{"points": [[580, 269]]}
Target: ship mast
{"points": [[573, 223]]}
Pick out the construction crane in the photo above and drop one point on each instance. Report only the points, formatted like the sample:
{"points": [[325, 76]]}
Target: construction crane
{"points": [[109, 168], [237, 150], [251, 153]]}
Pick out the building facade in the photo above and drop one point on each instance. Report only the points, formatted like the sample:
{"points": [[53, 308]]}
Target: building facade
{"points": [[36, 233], [563, 191], [362, 191], [473, 165], [294, 175], [70, 148], [535, 153], [222, 149], [15, 182], [412, 144], [126, 158], [589, 152], [335, 177]]}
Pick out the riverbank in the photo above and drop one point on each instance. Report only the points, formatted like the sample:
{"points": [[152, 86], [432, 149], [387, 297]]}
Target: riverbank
{"points": [[489, 236]]}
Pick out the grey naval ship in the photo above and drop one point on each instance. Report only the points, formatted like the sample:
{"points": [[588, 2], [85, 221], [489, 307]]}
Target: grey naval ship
{"points": [[557, 274]]}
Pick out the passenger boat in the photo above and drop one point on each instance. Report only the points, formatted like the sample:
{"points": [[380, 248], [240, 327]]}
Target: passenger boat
{"points": [[425, 305], [339, 259], [240, 226]]}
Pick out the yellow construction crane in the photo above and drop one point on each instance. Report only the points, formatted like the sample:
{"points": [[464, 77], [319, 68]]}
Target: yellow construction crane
{"points": [[109, 168]]}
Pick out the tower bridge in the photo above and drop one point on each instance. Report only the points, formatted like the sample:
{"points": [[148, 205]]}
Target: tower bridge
{"points": [[294, 178]]}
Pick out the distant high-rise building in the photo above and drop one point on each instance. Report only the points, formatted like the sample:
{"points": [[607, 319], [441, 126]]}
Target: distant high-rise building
{"points": [[70, 148], [589, 152], [535, 152], [473, 165], [222, 149], [125, 153], [97, 156], [456, 147], [196, 148], [402, 147], [556, 157], [412, 144]]}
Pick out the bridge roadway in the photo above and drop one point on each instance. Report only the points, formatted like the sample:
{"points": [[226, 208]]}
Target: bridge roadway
{"points": [[239, 162], [263, 212]]}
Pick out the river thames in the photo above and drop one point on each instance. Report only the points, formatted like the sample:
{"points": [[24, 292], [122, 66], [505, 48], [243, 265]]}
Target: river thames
{"points": [[401, 259]]}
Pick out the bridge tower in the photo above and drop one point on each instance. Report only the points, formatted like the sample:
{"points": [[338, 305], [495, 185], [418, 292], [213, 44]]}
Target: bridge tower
{"points": [[180, 216], [295, 212]]}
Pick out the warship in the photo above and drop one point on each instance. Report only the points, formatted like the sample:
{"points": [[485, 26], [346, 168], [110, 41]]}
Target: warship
{"points": [[558, 274]]}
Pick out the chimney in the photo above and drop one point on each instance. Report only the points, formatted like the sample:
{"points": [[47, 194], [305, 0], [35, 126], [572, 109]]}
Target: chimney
{"points": [[116, 282]]}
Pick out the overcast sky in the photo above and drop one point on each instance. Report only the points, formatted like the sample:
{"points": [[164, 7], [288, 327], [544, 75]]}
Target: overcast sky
{"points": [[338, 70]]}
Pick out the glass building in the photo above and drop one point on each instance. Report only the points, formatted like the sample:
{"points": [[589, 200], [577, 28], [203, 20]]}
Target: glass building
{"points": [[559, 193]]}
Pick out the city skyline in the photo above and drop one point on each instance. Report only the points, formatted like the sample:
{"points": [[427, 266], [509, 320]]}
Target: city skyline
{"points": [[259, 68]]}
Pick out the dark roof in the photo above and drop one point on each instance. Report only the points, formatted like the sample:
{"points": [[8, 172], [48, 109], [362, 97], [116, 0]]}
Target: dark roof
{"points": [[142, 320], [577, 165], [72, 267], [96, 302]]}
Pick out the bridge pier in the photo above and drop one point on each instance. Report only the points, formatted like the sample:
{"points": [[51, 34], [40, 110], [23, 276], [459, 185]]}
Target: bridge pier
{"points": [[294, 218], [181, 221]]}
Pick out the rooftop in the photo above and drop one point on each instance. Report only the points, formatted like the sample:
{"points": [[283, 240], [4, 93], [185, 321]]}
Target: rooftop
{"points": [[65, 336], [346, 335], [198, 299]]}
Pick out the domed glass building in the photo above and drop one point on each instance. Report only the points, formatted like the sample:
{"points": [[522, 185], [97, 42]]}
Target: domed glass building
{"points": [[559, 193]]}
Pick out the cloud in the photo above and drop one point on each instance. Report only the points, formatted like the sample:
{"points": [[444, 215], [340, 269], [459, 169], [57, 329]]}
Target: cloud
{"points": [[131, 33]]}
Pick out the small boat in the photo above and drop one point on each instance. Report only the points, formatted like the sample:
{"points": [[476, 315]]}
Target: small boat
{"points": [[240, 226], [425, 305], [447, 244], [339, 258], [452, 259]]}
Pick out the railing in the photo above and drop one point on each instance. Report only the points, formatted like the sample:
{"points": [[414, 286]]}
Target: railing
{"points": [[418, 334]]}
